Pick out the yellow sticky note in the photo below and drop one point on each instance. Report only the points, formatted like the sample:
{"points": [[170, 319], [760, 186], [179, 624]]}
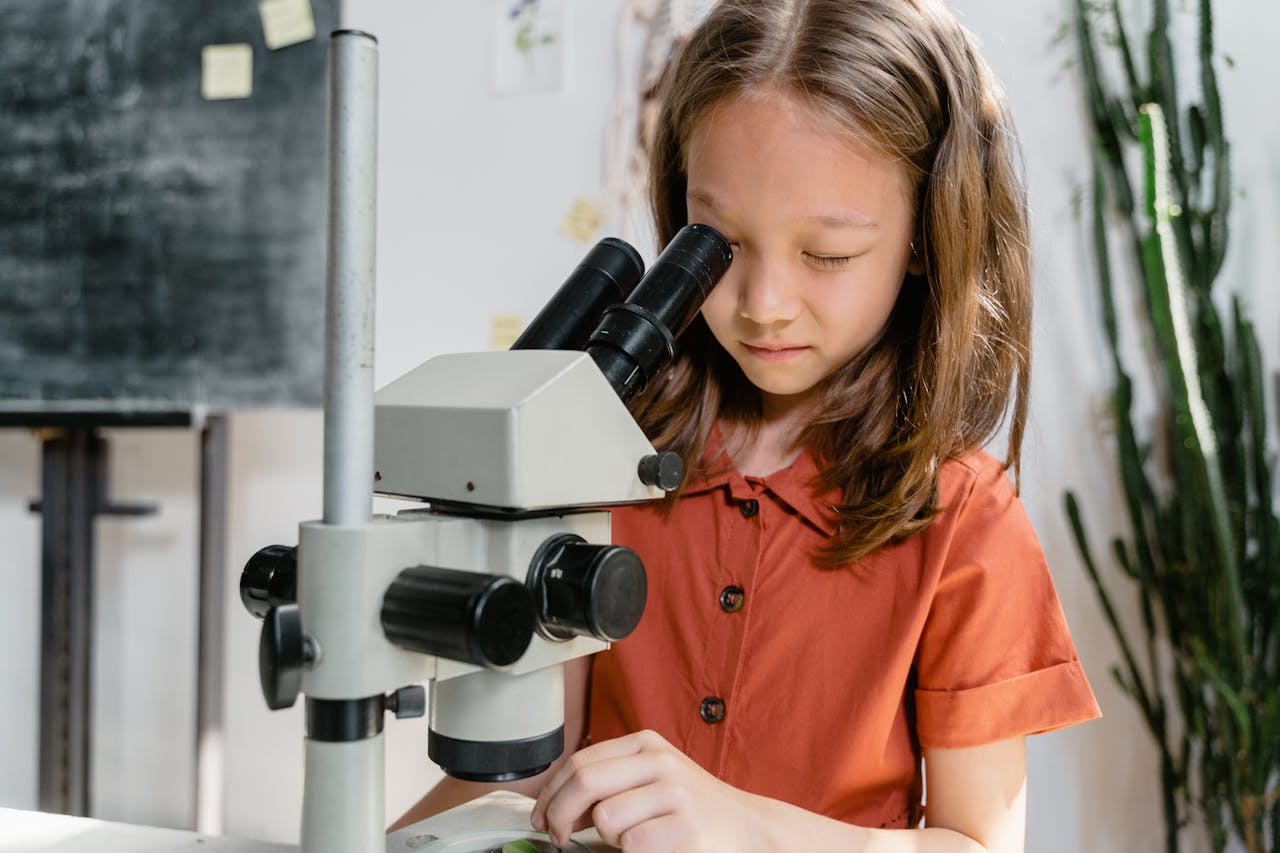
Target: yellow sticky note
{"points": [[226, 71], [504, 329], [582, 221], [286, 22]]}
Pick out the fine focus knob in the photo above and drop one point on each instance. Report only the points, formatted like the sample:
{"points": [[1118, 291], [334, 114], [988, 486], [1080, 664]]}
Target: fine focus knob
{"points": [[584, 589], [284, 650], [486, 620], [269, 579], [408, 701], [664, 470]]}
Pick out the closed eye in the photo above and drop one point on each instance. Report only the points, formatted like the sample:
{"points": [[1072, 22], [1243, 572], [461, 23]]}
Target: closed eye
{"points": [[830, 262]]}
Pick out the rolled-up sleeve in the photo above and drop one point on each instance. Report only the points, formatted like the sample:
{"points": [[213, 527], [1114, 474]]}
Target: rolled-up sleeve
{"points": [[995, 658]]}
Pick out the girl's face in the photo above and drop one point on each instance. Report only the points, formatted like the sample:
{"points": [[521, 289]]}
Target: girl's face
{"points": [[821, 229]]}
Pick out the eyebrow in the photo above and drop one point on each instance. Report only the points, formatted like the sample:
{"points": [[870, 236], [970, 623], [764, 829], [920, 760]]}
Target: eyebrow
{"points": [[841, 219]]}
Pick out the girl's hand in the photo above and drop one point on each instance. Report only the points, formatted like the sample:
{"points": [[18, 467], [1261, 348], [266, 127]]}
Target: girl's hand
{"points": [[643, 795]]}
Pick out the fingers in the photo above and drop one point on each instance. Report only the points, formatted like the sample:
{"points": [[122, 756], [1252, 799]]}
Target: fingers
{"points": [[593, 784], [592, 776], [624, 815], [616, 748], [659, 835]]}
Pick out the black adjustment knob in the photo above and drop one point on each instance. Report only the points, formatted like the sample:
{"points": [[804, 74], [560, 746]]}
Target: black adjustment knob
{"points": [[269, 579], [584, 589], [664, 470], [408, 701], [284, 650], [486, 620]]}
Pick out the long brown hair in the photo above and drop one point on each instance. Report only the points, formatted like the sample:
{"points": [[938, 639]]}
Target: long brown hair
{"points": [[953, 361]]}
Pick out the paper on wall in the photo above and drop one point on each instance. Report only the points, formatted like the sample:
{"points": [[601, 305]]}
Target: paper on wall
{"points": [[286, 22], [528, 46], [226, 71]]}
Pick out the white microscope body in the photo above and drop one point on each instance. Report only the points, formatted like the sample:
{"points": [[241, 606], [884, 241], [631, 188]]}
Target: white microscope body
{"points": [[507, 571]]}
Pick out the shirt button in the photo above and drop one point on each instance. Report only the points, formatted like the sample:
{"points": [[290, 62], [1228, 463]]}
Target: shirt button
{"points": [[732, 598], [712, 709], [749, 507]]}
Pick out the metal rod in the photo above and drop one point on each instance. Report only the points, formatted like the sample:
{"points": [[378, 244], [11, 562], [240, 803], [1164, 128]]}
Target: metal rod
{"points": [[343, 807], [343, 797], [210, 790], [349, 303], [74, 475]]}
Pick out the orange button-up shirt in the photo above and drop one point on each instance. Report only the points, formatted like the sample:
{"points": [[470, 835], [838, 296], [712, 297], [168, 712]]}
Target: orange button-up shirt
{"points": [[820, 686]]}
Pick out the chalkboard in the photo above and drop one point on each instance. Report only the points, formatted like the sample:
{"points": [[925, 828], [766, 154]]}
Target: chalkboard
{"points": [[158, 251]]}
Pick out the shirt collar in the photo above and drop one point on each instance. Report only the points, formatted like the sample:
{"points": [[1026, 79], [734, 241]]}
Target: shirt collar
{"points": [[793, 485]]}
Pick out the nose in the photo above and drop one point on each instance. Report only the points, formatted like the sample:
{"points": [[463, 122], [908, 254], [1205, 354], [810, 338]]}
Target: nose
{"points": [[765, 296]]}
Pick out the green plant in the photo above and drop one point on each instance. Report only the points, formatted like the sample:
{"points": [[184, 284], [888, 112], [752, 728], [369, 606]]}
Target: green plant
{"points": [[1203, 548]]}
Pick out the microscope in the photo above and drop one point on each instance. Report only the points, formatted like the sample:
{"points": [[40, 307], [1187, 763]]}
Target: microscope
{"points": [[507, 570]]}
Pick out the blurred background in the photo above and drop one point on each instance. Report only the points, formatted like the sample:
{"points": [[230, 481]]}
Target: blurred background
{"points": [[480, 169]]}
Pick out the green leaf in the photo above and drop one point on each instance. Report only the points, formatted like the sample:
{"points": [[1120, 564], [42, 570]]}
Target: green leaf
{"points": [[1135, 684], [1228, 693], [1194, 445], [520, 845]]}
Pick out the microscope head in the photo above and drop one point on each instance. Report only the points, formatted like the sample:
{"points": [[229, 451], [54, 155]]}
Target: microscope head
{"points": [[509, 432], [538, 428]]}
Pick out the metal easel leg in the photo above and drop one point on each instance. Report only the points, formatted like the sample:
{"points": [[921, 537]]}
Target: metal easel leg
{"points": [[210, 789], [73, 477]]}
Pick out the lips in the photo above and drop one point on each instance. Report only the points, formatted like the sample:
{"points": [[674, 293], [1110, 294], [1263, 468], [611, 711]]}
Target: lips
{"points": [[774, 351]]}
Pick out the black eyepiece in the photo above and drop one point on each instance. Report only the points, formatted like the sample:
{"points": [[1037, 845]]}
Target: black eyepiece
{"points": [[636, 338], [607, 275]]}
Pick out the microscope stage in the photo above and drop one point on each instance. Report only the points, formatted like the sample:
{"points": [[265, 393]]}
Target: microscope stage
{"points": [[486, 825], [499, 841]]}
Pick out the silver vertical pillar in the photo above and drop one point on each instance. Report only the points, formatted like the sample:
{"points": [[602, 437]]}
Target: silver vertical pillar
{"points": [[343, 804], [349, 298]]}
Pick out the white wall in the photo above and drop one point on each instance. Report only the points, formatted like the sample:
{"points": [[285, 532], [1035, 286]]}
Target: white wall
{"points": [[472, 192]]}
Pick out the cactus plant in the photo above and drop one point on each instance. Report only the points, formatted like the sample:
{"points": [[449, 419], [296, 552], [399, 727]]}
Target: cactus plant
{"points": [[1203, 545]]}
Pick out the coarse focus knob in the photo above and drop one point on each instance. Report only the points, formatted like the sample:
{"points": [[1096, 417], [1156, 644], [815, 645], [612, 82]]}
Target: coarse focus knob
{"points": [[486, 620], [284, 650], [584, 589], [664, 470], [269, 579]]}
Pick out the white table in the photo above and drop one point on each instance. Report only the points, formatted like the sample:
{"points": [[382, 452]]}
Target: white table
{"points": [[39, 832]]}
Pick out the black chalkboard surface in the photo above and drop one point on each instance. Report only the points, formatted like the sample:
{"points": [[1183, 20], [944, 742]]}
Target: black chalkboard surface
{"points": [[158, 251]]}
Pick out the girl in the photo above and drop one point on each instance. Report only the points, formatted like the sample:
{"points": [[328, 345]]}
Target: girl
{"points": [[846, 584]]}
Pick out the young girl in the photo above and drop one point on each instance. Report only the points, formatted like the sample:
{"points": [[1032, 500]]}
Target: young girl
{"points": [[847, 583]]}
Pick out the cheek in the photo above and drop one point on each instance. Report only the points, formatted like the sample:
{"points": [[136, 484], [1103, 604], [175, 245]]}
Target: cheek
{"points": [[866, 311], [719, 305]]}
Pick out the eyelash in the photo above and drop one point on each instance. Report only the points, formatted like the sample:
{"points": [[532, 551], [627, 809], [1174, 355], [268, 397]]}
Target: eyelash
{"points": [[829, 262]]}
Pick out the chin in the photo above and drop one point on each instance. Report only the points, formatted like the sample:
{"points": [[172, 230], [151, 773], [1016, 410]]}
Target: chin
{"points": [[780, 386]]}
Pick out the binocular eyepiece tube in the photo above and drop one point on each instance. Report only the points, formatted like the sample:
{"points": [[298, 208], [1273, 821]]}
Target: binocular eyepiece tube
{"points": [[626, 319], [635, 339], [608, 274]]}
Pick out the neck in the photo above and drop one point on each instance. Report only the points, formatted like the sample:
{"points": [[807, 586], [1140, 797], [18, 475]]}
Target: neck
{"points": [[772, 446]]}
